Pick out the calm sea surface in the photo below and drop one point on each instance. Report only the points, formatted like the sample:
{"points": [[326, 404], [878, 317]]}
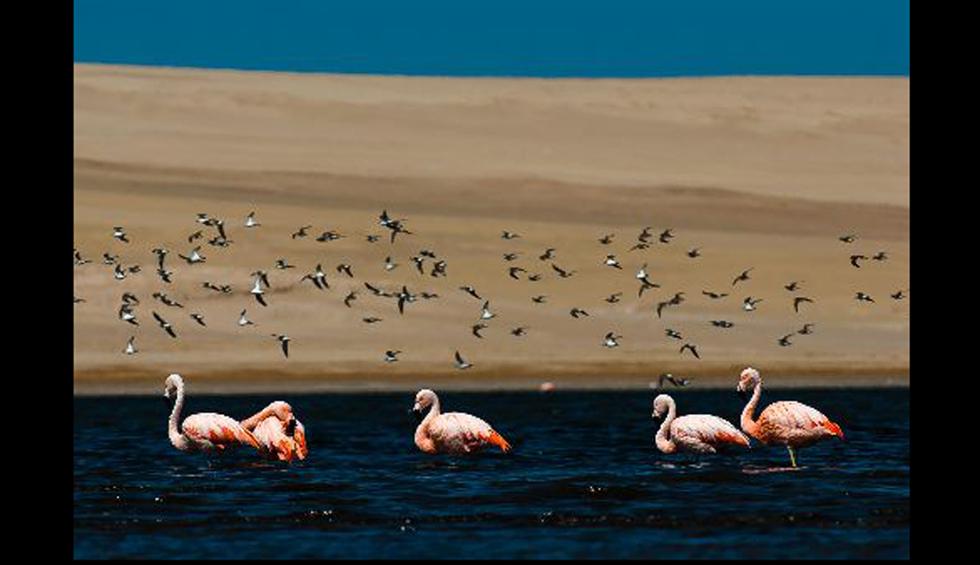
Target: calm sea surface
{"points": [[584, 480]]}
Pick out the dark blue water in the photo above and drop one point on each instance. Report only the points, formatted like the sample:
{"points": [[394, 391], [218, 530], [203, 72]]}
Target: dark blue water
{"points": [[584, 480]]}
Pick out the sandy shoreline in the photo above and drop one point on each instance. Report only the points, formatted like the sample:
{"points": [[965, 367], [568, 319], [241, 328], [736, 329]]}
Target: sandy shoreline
{"points": [[761, 172]]}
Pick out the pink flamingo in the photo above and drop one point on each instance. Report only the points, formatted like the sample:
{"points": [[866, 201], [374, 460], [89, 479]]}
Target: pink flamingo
{"points": [[206, 431], [695, 433], [453, 432], [788, 423], [278, 431]]}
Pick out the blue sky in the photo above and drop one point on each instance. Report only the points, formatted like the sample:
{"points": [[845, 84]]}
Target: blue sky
{"points": [[503, 38]]}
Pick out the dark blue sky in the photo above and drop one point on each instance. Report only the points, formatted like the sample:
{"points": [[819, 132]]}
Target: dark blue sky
{"points": [[503, 38]]}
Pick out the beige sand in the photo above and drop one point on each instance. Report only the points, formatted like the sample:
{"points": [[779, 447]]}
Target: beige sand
{"points": [[758, 172]]}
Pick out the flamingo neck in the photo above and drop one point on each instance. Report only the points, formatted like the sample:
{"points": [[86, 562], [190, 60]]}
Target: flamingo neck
{"points": [[173, 429], [665, 443], [422, 432], [748, 424]]}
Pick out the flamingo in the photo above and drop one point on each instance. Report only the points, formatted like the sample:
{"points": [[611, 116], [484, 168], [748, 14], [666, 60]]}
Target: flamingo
{"points": [[788, 423], [453, 432], [206, 431], [695, 433], [279, 433]]}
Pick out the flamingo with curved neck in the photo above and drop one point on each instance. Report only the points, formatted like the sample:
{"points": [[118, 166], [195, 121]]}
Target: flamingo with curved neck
{"points": [[788, 423], [205, 431], [695, 433], [452, 432], [281, 435]]}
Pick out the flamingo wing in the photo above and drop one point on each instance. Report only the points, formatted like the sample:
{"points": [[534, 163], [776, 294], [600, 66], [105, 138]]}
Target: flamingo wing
{"points": [[707, 429], [796, 423], [457, 432], [218, 430], [276, 443]]}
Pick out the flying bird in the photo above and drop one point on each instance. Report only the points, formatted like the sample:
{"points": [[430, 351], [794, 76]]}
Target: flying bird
{"points": [[257, 292], [540, 299], [722, 324], [282, 265], [848, 238], [371, 320], [167, 300], [486, 314], [403, 297], [284, 342], [860, 296], [793, 286], [351, 296], [389, 264], [798, 300], [714, 295], [743, 277], [130, 348], [611, 340], [126, 314], [199, 319], [477, 328], [461, 363], [509, 235], [666, 236], [561, 272], [749, 303], [514, 271], [392, 356], [329, 235], [345, 268], [856, 258], [806, 329], [613, 298], [301, 232], [250, 221], [195, 256], [534, 278], [898, 295], [676, 381], [510, 256], [612, 262], [692, 348], [243, 321], [165, 325], [120, 234], [673, 333], [471, 291], [519, 331], [880, 256], [196, 235], [606, 239], [694, 253], [784, 341], [548, 254], [578, 312]]}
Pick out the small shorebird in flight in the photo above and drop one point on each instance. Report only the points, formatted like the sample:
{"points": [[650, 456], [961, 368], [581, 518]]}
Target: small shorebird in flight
{"points": [[676, 381], [389, 264], [301, 232], [257, 292], [471, 291], [243, 321], [743, 277], [898, 295], [856, 258], [848, 238], [351, 296], [161, 253], [714, 295], [666, 235], [284, 342], [807, 329], [540, 299], [118, 273], [119, 233], [329, 235], [109, 259], [129, 297], [196, 235], [318, 277], [722, 324], [607, 239], [371, 238], [749, 303], [578, 312], [509, 235], [167, 300], [130, 347], [419, 263], [612, 262], [165, 325], [798, 300], [203, 218], [211, 286], [199, 319], [548, 254], [784, 341], [514, 271], [428, 295], [403, 297], [640, 245], [511, 256], [126, 314], [250, 221], [562, 272], [427, 253], [694, 253], [439, 269], [392, 356], [610, 340], [165, 275], [345, 268], [519, 331], [282, 265], [477, 328], [880, 256], [461, 363], [535, 277], [486, 314], [661, 306], [613, 298], [863, 297], [692, 348], [371, 320], [645, 234], [673, 333], [78, 259], [195, 256], [377, 291], [793, 286]]}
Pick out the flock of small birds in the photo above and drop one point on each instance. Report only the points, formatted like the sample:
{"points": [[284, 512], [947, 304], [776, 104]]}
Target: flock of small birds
{"points": [[428, 263]]}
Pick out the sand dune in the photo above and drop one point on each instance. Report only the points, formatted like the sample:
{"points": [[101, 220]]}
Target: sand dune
{"points": [[758, 172]]}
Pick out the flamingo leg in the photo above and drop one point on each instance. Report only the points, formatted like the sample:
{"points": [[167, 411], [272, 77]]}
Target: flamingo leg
{"points": [[792, 455]]}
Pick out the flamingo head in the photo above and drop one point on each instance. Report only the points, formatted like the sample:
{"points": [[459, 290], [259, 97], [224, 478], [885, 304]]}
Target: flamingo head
{"points": [[299, 436], [747, 381], [661, 405], [423, 399], [173, 382]]}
